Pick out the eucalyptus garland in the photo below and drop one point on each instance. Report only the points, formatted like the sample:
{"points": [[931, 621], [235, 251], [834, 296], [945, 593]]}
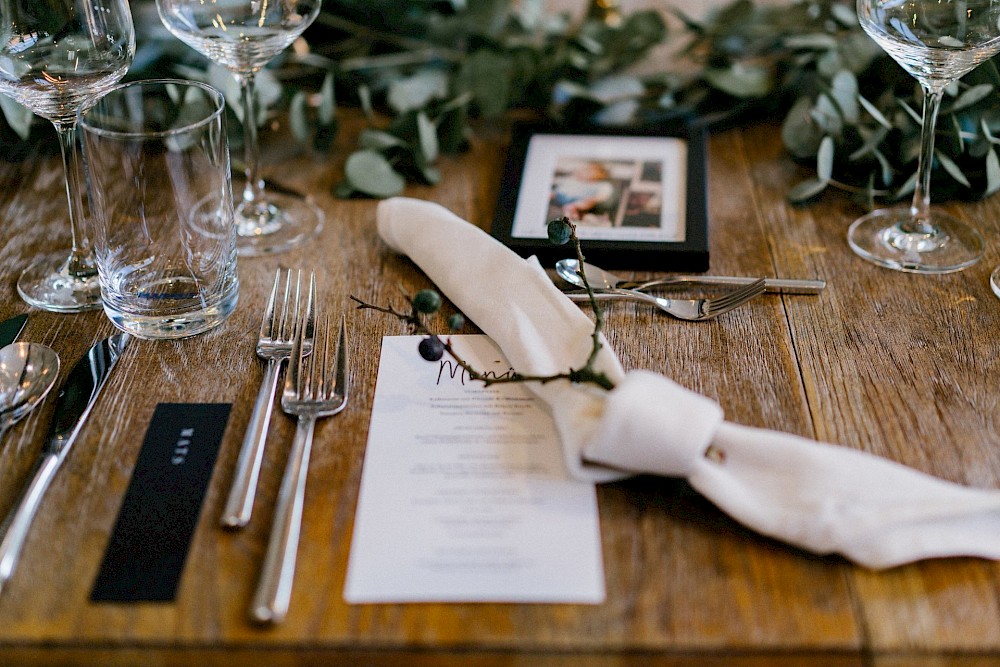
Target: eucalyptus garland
{"points": [[422, 70]]}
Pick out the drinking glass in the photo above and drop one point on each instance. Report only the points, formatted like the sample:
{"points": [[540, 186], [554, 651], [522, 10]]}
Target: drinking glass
{"points": [[243, 35], [936, 42], [55, 56], [162, 207]]}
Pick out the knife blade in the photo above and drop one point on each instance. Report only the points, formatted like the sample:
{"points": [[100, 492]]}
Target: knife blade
{"points": [[74, 403], [11, 328]]}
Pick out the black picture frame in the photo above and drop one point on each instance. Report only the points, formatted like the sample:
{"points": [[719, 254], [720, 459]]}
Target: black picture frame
{"points": [[627, 229]]}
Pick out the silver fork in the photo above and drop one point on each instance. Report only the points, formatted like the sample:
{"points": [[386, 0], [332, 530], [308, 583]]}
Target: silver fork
{"points": [[693, 310], [313, 389], [274, 345]]}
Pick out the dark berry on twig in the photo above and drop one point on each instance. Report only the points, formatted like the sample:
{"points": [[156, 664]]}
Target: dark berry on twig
{"points": [[456, 321], [427, 301], [560, 231], [431, 348]]}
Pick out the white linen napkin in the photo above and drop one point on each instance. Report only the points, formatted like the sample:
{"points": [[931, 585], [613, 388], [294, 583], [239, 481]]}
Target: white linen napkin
{"points": [[820, 497]]}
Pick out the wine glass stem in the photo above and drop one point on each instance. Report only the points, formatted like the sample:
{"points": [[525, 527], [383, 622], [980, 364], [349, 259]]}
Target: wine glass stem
{"points": [[80, 263], [254, 188], [920, 208]]}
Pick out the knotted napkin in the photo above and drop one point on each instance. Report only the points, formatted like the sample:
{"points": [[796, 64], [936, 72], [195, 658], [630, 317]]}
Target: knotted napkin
{"points": [[820, 497]]}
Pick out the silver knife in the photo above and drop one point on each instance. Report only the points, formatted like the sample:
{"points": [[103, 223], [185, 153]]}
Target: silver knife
{"points": [[75, 400], [11, 328]]}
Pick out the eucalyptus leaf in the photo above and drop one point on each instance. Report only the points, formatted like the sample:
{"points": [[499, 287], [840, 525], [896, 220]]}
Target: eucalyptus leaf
{"points": [[952, 168], [613, 89], [917, 118], [18, 117], [327, 101], [806, 190], [844, 14], [370, 173], [874, 112], [827, 114], [845, 93], [740, 80], [365, 98], [417, 91], [824, 160], [378, 140], [886, 168], [298, 119], [799, 133], [987, 133], [972, 96], [813, 41], [992, 172], [619, 114], [427, 133], [872, 139], [908, 187]]}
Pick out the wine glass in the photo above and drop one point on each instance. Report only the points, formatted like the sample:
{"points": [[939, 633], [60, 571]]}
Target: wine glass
{"points": [[56, 57], [243, 35], [936, 41]]}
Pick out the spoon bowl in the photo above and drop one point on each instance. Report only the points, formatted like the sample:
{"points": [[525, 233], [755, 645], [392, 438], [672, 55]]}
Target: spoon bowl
{"points": [[568, 270], [27, 373]]}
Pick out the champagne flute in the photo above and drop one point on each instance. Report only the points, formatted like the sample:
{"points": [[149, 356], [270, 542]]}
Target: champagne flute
{"points": [[243, 35], [56, 57], [936, 42]]}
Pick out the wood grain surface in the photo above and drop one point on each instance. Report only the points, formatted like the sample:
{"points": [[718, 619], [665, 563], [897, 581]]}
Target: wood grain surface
{"points": [[898, 365]]}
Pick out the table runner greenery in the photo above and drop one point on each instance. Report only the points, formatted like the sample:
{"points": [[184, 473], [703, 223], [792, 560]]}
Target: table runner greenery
{"points": [[423, 70]]}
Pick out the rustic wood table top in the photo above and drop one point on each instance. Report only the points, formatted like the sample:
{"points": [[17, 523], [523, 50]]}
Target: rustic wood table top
{"points": [[894, 364]]}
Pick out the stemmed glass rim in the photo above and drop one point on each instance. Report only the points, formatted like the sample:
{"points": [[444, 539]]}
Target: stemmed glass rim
{"points": [[213, 93]]}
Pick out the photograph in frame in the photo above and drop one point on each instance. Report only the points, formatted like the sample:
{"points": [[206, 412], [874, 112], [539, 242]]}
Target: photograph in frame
{"points": [[638, 200]]}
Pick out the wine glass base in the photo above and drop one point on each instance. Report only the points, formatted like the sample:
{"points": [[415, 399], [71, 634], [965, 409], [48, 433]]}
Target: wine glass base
{"points": [[48, 284], [995, 281], [275, 224], [881, 237]]}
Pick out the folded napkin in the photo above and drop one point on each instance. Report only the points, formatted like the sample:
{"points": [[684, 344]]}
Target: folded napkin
{"points": [[820, 497]]}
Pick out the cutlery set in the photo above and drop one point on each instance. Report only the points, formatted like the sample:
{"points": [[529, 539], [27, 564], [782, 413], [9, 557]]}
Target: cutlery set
{"points": [[313, 388], [74, 402], [608, 286]]}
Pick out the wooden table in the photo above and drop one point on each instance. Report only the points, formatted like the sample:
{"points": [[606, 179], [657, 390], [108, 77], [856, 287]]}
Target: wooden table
{"points": [[899, 365]]}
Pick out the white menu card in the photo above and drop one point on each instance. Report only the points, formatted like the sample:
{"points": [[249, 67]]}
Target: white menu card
{"points": [[464, 497]]}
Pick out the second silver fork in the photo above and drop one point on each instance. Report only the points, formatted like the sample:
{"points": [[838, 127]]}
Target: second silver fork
{"points": [[692, 310], [274, 346], [313, 388]]}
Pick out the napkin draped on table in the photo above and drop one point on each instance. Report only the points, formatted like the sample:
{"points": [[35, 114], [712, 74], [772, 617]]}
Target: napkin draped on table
{"points": [[820, 497]]}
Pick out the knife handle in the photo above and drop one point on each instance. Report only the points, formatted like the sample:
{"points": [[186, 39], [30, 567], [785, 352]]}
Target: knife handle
{"points": [[781, 285], [19, 521]]}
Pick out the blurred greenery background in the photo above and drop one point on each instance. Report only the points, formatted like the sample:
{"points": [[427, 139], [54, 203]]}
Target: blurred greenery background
{"points": [[425, 72]]}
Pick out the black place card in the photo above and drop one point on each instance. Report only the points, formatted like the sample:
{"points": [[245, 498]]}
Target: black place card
{"points": [[147, 549]]}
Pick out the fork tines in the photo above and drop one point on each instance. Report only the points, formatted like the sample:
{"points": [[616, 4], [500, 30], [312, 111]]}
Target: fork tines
{"points": [[726, 302], [311, 375], [281, 327]]}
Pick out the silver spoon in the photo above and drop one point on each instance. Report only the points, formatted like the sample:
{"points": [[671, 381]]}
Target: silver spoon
{"points": [[601, 279], [27, 373]]}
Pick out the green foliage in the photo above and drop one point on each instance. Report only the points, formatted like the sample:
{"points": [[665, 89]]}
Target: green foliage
{"points": [[420, 70], [433, 65]]}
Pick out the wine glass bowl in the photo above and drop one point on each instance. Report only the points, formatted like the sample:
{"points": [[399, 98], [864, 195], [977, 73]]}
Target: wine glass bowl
{"points": [[233, 34], [55, 57], [243, 36], [936, 42]]}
